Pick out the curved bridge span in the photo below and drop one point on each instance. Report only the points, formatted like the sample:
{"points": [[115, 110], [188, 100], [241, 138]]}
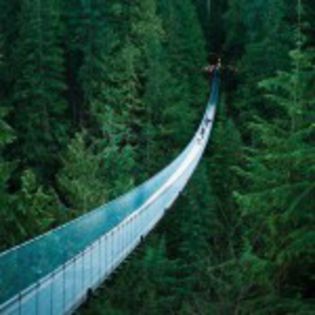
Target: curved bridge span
{"points": [[51, 274]]}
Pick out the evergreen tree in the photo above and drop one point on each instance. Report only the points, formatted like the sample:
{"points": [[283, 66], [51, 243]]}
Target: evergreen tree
{"points": [[194, 223], [258, 53], [146, 34], [87, 46], [8, 30], [279, 201], [146, 286], [90, 177], [224, 274], [105, 80], [210, 15], [36, 208], [185, 48], [32, 210], [6, 168], [39, 115], [80, 179]]}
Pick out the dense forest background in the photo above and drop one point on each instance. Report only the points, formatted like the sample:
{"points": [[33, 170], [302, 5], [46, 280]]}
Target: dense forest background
{"points": [[97, 95]]}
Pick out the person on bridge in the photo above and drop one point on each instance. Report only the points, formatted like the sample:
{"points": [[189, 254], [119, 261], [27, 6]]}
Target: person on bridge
{"points": [[211, 68], [203, 130], [207, 121], [215, 63]]}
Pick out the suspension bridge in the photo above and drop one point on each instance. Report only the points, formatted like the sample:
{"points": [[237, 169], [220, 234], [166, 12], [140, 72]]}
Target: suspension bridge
{"points": [[53, 273]]}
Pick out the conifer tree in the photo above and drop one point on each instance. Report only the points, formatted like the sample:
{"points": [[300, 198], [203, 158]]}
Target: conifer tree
{"points": [[211, 15], [39, 115], [80, 179], [87, 46], [279, 200], [194, 221], [146, 34], [146, 286], [223, 274], [35, 208], [185, 48], [8, 29], [106, 80], [256, 54], [90, 177], [6, 168], [32, 210]]}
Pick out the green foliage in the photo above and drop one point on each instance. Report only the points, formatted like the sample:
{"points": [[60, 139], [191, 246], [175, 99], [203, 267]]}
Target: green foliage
{"points": [[6, 132], [6, 168], [38, 103], [258, 53], [80, 178], [128, 74], [89, 176], [280, 179], [223, 273], [146, 286], [33, 210]]}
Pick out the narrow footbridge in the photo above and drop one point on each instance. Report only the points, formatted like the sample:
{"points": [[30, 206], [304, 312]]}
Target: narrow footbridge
{"points": [[53, 273]]}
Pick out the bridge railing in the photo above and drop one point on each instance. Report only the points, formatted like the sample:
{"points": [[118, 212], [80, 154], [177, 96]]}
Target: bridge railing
{"points": [[53, 273]]}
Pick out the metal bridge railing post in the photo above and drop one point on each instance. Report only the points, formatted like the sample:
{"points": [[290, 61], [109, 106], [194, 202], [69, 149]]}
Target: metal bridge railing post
{"points": [[118, 238], [129, 231], [141, 224], [123, 242], [52, 293], [126, 241], [91, 266], [127, 234], [133, 228], [74, 277], [99, 260], [63, 288], [105, 255], [83, 270], [20, 304], [111, 251], [37, 298]]}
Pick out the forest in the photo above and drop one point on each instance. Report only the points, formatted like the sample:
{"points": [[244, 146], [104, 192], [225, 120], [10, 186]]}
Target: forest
{"points": [[96, 96]]}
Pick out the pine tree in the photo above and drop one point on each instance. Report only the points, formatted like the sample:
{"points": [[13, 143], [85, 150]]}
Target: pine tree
{"points": [[90, 177], [146, 34], [86, 40], [9, 30], [37, 208], [194, 221], [6, 168], [185, 47], [102, 80], [279, 201], [211, 226], [211, 18], [150, 277], [223, 275], [39, 116], [32, 210], [80, 178], [259, 52]]}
